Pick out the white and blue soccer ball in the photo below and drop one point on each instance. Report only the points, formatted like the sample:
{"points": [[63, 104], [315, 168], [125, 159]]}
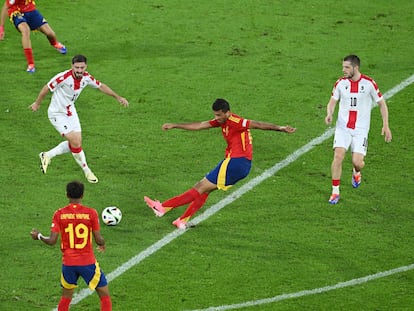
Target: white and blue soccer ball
{"points": [[111, 215]]}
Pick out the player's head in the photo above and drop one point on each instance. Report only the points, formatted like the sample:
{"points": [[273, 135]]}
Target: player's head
{"points": [[221, 109], [353, 59], [221, 104], [79, 64], [74, 190], [79, 59], [350, 66]]}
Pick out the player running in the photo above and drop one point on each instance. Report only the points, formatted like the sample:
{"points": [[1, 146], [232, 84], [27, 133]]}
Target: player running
{"points": [[26, 18], [66, 87]]}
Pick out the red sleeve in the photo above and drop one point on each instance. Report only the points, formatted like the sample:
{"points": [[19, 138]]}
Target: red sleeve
{"points": [[214, 123], [55, 227], [95, 221]]}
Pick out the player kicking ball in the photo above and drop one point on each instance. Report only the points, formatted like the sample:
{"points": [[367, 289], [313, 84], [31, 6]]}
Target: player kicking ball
{"points": [[235, 166]]}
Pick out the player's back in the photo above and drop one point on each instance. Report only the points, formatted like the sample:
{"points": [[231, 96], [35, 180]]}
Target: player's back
{"points": [[76, 222]]}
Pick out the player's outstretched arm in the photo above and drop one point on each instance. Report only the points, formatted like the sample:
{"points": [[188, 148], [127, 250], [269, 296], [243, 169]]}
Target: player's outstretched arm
{"points": [[271, 127], [108, 91], [193, 126]]}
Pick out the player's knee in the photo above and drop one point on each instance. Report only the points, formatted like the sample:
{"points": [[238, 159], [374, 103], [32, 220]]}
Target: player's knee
{"points": [[358, 164]]}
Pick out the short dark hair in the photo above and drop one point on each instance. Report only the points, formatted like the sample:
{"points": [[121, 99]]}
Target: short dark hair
{"points": [[79, 59], [221, 104], [353, 59], [74, 190]]}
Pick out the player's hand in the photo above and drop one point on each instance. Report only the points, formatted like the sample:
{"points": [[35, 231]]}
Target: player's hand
{"points": [[328, 119], [123, 101], [34, 233], [287, 129], [167, 126], [101, 248], [34, 107], [1, 32], [386, 132]]}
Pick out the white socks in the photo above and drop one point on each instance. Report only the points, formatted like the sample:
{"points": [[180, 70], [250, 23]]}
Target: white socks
{"points": [[62, 148], [80, 158]]}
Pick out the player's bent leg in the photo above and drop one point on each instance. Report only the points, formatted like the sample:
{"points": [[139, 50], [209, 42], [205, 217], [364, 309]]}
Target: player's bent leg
{"points": [[51, 36], [358, 163], [205, 186], [198, 203]]}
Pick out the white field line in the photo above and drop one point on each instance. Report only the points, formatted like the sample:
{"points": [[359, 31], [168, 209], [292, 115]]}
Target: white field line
{"points": [[82, 294], [311, 291]]}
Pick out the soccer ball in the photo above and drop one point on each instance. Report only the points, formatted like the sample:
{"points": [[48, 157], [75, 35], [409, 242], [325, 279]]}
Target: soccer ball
{"points": [[111, 216]]}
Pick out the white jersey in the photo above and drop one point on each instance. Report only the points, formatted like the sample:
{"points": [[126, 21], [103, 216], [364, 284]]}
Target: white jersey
{"points": [[356, 99], [66, 89]]}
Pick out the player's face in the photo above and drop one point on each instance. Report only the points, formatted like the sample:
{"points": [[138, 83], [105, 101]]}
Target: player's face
{"points": [[78, 69], [348, 70], [221, 117]]}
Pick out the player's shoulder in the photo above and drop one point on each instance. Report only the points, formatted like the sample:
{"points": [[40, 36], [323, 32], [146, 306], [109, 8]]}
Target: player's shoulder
{"points": [[368, 79], [235, 118], [341, 81], [63, 75], [90, 78]]}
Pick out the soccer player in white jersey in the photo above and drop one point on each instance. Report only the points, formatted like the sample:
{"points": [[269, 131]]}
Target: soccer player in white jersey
{"points": [[356, 94], [66, 87]]}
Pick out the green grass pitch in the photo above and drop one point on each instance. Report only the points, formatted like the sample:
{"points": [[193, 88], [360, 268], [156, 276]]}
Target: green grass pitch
{"points": [[273, 61]]}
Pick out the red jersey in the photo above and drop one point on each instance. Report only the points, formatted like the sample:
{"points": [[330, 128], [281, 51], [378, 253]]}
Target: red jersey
{"points": [[20, 6], [237, 135], [75, 224]]}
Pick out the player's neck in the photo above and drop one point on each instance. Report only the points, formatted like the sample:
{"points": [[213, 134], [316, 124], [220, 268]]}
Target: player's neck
{"points": [[74, 201], [356, 77]]}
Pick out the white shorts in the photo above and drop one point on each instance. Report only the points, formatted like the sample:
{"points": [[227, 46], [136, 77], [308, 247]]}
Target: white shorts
{"points": [[65, 124], [356, 139]]}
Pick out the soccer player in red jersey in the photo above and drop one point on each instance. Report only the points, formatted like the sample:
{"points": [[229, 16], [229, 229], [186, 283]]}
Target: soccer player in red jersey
{"points": [[25, 17], [77, 224], [66, 87], [356, 93], [235, 166]]}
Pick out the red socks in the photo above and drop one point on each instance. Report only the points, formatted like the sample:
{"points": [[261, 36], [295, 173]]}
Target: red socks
{"points": [[28, 53], [106, 303], [52, 41], [194, 206], [64, 303], [336, 182], [182, 199]]}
